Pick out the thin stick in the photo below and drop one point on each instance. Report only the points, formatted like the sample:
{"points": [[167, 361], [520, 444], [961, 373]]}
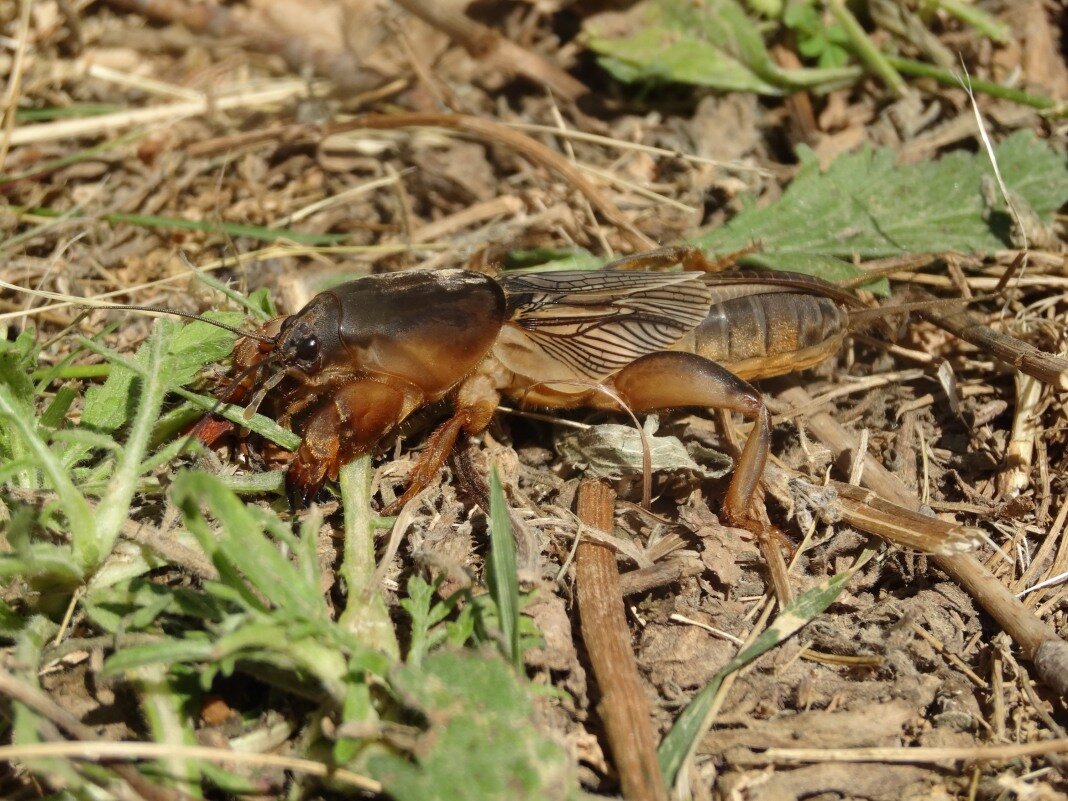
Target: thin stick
{"points": [[1038, 641], [989, 753], [495, 132], [41, 703], [14, 85], [103, 751], [489, 47], [1045, 367], [624, 706]]}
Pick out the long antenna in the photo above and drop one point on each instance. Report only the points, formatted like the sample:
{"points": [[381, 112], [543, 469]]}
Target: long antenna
{"points": [[89, 303], [160, 310]]}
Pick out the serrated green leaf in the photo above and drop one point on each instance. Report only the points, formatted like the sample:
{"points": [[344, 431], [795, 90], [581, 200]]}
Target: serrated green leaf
{"points": [[712, 43], [481, 744], [866, 205]]}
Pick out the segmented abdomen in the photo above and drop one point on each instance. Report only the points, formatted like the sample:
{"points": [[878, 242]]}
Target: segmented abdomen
{"points": [[760, 335]]}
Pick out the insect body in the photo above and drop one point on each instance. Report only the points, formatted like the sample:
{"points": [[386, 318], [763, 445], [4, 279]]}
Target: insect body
{"points": [[358, 359]]}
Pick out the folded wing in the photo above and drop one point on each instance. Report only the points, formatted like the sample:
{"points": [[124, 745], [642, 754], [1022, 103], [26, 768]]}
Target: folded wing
{"points": [[584, 326]]}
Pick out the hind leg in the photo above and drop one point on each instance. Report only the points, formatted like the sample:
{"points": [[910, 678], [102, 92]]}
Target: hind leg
{"points": [[672, 379]]}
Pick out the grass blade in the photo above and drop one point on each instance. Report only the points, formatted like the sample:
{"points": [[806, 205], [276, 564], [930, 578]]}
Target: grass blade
{"points": [[680, 741], [503, 578]]}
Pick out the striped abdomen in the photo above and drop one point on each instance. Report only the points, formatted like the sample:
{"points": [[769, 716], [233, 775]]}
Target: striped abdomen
{"points": [[766, 334]]}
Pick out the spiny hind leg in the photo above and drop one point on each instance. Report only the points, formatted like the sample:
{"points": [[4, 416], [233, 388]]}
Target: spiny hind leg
{"points": [[671, 379]]}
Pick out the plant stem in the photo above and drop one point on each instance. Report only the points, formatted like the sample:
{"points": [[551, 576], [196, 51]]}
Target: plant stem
{"points": [[365, 613], [115, 506], [977, 18], [919, 69], [866, 51]]}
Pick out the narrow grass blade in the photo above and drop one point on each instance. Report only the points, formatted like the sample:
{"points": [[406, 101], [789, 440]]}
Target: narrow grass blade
{"points": [[502, 577], [258, 232], [240, 548], [681, 740]]}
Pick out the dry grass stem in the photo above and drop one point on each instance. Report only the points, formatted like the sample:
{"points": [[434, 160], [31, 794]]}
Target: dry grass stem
{"points": [[492, 49], [1038, 641], [990, 753], [623, 706], [229, 100]]}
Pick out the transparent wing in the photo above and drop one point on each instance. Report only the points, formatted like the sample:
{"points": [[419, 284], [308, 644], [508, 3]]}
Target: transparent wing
{"points": [[586, 325]]}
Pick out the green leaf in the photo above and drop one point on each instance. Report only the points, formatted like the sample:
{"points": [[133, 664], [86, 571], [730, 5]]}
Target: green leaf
{"points": [[21, 427], [57, 410], [678, 742], [16, 360], [110, 405], [240, 548], [199, 344], [867, 206], [120, 606], [503, 576], [165, 653], [481, 744], [10, 621], [426, 614], [712, 43]]}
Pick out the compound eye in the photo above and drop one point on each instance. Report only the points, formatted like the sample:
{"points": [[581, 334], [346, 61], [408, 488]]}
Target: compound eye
{"points": [[307, 349]]}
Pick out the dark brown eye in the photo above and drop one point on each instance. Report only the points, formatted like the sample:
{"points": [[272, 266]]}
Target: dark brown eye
{"points": [[307, 349]]}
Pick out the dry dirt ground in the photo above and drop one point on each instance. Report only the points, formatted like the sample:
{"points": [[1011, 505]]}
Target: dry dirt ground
{"points": [[904, 657]]}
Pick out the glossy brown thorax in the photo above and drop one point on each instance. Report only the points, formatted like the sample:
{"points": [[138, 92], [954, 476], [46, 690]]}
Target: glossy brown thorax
{"points": [[429, 328]]}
